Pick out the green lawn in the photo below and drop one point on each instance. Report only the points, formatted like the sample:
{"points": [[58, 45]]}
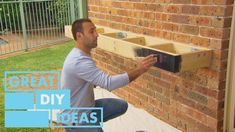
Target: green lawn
{"points": [[48, 59]]}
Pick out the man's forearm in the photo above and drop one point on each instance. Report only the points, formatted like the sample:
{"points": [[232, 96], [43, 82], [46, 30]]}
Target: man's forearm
{"points": [[133, 74], [143, 66]]}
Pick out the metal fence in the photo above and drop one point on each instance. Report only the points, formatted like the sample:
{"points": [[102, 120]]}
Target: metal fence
{"points": [[26, 24]]}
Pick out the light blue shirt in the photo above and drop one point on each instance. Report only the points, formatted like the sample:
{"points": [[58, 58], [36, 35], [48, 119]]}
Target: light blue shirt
{"points": [[80, 74]]}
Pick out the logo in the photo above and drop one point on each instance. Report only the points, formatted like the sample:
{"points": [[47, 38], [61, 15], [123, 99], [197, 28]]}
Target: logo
{"points": [[34, 99]]}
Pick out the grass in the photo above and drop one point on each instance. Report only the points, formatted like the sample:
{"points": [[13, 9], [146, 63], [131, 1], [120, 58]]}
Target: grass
{"points": [[48, 59]]}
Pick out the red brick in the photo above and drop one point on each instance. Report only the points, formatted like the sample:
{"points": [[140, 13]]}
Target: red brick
{"points": [[212, 122], [164, 34], [173, 8], [149, 92], [184, 120], [134, 100], [185, 101], [182, 1], [200, 41], [170, 27], [194, 30], [105, 3], [165, 17], [215, 11], [202, 118], [184, 109], [159, 8], [220, 54], [140, 95], [127, 5], [162, 98], [162, 83], [228, 11], [149, 15], [173, 120], [122, 12], [113, 11], [182, 38], [197, 97], [139, 6], [162, 1], [221, 22], [223, 2], [116, 4], [166, 76], [148, 107], [166, 92], [219, 44], [179, 19], [202, 2], [151, 7], [213, 104], [215, 32], [218, 65], [200, 20], [118, 59], [155, 102], [148, 31], [154, 72], [201, 89], [158, 25], [203, 128], [154, 7], [204, 109], [190, 9]]}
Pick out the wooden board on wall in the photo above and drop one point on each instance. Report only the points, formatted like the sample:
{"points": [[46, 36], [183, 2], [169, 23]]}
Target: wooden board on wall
{"points": [[172, 56]]}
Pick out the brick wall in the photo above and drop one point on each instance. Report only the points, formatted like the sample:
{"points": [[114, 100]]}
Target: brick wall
{"points": [[191, 101]]}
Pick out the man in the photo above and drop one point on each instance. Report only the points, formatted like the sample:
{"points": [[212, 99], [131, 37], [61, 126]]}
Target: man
{"points": [[80, 74]]}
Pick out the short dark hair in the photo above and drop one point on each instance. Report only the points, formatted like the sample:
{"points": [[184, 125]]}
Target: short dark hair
{"points": [[77, 26]]}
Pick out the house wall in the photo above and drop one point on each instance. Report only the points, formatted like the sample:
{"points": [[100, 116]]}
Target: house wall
{"points": [[190, 101]]}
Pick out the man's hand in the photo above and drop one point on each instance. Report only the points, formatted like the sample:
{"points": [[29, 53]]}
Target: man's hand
{"points": [[144, 63]]}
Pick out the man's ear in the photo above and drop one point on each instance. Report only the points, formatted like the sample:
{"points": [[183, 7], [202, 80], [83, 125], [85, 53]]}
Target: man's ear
{"points": [[78, 34]]}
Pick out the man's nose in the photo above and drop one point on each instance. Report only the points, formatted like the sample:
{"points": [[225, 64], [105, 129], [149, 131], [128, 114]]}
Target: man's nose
{"points": [[96, 34]]}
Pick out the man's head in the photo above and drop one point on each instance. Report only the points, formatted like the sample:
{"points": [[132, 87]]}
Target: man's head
{"points": [[84, 32]]}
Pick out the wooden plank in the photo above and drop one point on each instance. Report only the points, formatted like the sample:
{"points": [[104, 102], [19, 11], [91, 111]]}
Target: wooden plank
{"points": [[136, 40], [173, 56], [192, 61], [100, 30]]}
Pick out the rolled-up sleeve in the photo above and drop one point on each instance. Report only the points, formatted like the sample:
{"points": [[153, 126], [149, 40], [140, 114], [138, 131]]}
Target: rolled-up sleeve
{"points": [[87, 70]]}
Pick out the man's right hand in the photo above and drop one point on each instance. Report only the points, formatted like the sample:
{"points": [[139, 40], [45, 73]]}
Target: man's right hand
{"points": [[144, 63]]}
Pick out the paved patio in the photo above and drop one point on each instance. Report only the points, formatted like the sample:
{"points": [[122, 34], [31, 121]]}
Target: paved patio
{"points": [[134, 120]]}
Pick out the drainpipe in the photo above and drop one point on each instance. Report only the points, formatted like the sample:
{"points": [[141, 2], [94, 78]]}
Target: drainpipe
{"points": [[230, 82]]}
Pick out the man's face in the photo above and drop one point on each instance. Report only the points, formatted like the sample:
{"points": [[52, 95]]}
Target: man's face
{"points": [[89, 35]]}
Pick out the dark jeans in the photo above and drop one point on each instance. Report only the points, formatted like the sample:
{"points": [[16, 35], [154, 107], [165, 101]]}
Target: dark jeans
{"points": [[111, 108]]}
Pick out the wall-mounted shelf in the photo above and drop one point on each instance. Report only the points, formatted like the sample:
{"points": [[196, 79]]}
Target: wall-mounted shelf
{"points": [[172, 56]]}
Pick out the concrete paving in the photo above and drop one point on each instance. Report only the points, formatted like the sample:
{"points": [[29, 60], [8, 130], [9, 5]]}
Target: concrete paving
{"points": [[134, 120]]}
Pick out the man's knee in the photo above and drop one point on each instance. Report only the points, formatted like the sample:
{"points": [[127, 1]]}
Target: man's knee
{"points": [[124, 106]]}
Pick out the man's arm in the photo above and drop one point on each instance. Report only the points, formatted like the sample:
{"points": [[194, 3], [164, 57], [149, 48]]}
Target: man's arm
{"points": [[142, 66], [86, 69]]}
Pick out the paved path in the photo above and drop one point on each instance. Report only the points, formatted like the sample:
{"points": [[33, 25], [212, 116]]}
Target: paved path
{"points": [[134, 120]]}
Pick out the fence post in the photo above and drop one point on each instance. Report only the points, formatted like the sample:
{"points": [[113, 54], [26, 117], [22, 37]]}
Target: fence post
{"points": [[23, 24], [72, 10], [83, 9]]}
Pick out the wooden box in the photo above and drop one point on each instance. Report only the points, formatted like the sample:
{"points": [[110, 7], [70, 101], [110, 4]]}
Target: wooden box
{"points": [[172, 56]]}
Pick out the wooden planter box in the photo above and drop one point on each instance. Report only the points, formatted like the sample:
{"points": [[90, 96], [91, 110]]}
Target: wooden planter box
{"points": [[172, 56]]}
